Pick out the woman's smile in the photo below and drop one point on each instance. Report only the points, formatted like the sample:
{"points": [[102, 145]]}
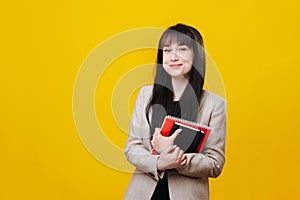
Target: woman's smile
{"points": [[175, 65]]}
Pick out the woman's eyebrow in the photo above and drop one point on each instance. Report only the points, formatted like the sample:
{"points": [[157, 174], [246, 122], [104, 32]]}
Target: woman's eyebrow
{"points": [[182, 44], [167, 45]]}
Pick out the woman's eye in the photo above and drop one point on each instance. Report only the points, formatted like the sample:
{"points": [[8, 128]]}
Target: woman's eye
{"points": [[182, 49], [167, 50]]}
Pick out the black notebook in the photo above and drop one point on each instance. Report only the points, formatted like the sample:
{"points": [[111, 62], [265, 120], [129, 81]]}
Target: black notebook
{"points": [[193, 136]]}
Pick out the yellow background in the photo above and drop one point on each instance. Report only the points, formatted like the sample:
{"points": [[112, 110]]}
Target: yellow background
{"points": [[254, 43]]}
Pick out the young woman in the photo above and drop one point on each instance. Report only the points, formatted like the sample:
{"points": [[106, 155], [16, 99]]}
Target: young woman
{"points": [[177, 91]]}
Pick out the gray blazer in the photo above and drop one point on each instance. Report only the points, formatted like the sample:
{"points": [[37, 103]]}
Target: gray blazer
{"points": [[191, 180]]}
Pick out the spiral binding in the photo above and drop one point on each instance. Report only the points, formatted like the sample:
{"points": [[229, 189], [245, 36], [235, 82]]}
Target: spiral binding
{"points": [[187, 122]]}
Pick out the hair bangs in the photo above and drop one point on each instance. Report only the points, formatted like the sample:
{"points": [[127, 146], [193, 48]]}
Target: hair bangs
{"points": [[172, 36]]}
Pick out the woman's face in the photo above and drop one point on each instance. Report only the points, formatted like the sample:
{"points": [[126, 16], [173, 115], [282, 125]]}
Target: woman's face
{"points": [[177, 59]]}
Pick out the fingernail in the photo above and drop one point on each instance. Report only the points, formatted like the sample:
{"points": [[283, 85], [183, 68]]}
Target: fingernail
{"points": [[179, 130]]}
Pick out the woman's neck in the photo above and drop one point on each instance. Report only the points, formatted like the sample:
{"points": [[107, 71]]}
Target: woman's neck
{"points": [[179, 84]]}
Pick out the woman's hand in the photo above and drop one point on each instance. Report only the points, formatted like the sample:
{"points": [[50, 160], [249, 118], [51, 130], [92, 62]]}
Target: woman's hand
{"points": [[171, 157], [159, 142]]}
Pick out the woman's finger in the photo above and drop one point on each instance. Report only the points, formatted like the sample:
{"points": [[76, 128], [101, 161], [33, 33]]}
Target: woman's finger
{"points": [[180, 154], [176, 151], [175, 134], [183, 162], [152, 143], [156, 130], [154, 138]]}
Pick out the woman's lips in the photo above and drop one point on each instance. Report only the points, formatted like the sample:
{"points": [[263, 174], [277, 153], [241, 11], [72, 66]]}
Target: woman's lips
{"points": [[175, 65]]}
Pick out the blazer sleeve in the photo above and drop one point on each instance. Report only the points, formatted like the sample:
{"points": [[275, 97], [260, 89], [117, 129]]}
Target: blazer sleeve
{"points": [[138, 148], [210, 162]]}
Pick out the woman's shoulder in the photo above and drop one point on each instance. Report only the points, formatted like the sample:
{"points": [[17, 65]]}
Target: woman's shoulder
{"points": [[209, 94], [145, 93], [212, 99], [147, 89]]}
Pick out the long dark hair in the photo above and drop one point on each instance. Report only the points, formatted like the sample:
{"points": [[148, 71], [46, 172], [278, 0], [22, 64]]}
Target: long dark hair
{"points": [[162, 94]]}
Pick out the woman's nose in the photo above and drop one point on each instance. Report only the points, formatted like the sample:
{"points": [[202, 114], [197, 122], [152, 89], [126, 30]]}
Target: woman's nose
{"points": [[174, 56]]}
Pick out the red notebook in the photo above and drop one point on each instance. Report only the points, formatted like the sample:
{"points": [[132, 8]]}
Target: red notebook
{"points": [[192, 137]]}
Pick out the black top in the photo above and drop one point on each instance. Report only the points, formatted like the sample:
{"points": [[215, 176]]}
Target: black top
{"points": [[161, 191]]}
